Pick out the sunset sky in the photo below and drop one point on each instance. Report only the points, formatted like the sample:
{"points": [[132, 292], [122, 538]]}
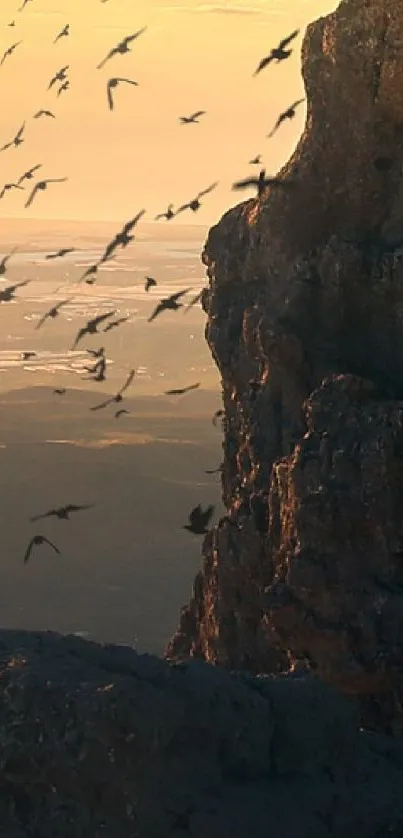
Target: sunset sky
{"points": [[192, 56]]}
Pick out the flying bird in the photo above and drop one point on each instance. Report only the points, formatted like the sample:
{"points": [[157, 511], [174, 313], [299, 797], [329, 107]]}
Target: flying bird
{"points": [[9, 51], [7, 187], [256, 161], [288, 114], [41, 185], [91, 327], [195, 204], [194, 117], [59, 76], [7, 294], [63, 33], [17, 140], [26, 356], [44, 112], [122, 47], [114, 323], [121, 412], [168, 214], [35, 541], [123, 238], [59, 253], [29, 174], [180, 391], [168, 303], [199, 520], [63, 87], [149, 283], [62, 512], [119, 395], [3, 262], [279, 53], [97, 372], [112, 83], [53, 312], [60, 391], [260, 183]]}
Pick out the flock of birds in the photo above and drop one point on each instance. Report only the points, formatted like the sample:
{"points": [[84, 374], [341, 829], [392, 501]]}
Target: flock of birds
{"points": [[199, 518]]}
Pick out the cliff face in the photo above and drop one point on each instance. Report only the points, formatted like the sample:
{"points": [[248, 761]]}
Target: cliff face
{"points": [[305, 299]]}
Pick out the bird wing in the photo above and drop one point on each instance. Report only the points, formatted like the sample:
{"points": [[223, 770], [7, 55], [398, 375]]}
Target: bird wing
{"points": [[276, 125], [264, 62], [72, 508], [286, 41], [32, 196], [29, 550], [128, 382], [179, 294], [101, 317], [295, 104], [158, 308], [79, 336], [103, 404], [244, 184], [4, 147], [128, 81], [131, 38], [42, 320], [17, 136], [194, 515], [160, 215], [46, 540], [183, 207], [110, 55], [109, 94], [194, 300], [63, 303], [45, 515], [174, 392], [209, 189], [196, 114], [56, 179], [207, 515], [130, 224]]}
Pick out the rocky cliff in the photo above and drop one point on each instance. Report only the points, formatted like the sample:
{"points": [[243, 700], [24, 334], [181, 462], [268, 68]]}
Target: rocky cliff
{"points": [[305, 323]]}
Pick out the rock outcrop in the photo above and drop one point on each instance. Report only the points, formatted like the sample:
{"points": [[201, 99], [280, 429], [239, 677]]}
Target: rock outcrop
{"points": [[98, 742], [305, 322]]}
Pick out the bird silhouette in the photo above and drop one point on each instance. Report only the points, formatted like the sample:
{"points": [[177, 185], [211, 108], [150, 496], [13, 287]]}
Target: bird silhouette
{"points": [[44, 112], [63, 87], [194, 117], [62, 512], [288, 114], [256, 161], [279, 53], [97, 372], [60, 391], [59, 253], [26, 356], [199, 520], [91, 327], [149, 283], [112, 83], [168, 214], [63, 33], [53, 312], [123, 238], [261, 183], [195, 204], [7, 187], [59, 76], [114, 323], [168, 303], [9, 51], [29, 174], [119, 395], [7, 294], [4, 261], [36, 541], [121, 412], [121, 47], [17, 140], [180, 391], [41, 185]]}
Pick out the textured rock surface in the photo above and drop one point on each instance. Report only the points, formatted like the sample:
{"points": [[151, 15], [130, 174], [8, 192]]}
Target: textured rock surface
{"points": [[96, 741], [306, 298]]}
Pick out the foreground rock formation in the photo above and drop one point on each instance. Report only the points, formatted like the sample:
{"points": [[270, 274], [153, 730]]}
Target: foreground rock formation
{"points": [[98, 742], [305, 299]]}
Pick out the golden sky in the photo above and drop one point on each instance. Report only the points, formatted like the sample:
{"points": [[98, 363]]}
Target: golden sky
{"points": [[193, 56]]}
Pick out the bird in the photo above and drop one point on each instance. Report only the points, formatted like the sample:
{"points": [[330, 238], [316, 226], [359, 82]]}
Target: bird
{"points": [[9, 51], [7, 294], [195, 204], [63, 87], [7, 187], [170, 303], [59, 76], [278, 53], [60, 391], [35, 541], [3, 262], [114, 323], [24, 3], [53, 312], [119, 395], [25, 356], [63, 33], [96, 353], [180, 391], [42, 185], [90, 327], [123, 238], [194, 117], [93, 270], [194, 300], [17, 140], [44, 112], [168, 214], [150, 282], [29, 174], [62, 512], [122, 47], [256, 161], [112, 83], [199, 520], [288, 114], [121, 412], [260, 183], [12, 23], [97, 372], [59, 253]]}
